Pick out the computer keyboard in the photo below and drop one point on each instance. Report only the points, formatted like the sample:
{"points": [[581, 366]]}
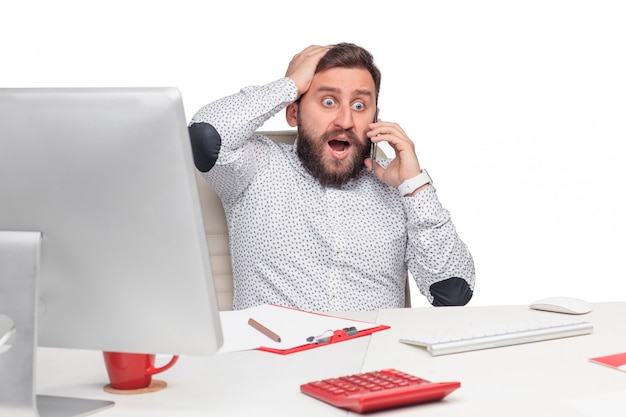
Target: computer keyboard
{"points": [[511, 333], [377, 390]]}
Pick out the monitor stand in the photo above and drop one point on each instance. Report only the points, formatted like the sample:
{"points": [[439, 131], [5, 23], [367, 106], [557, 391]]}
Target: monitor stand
{"points": [[19, 265]]}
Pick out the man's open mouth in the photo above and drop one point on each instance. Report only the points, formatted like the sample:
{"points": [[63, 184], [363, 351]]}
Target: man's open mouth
{"points": [[339, 146]]}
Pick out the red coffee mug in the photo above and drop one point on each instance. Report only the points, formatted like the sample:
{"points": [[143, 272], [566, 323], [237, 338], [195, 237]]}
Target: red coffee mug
{"points": [[128, 371]]}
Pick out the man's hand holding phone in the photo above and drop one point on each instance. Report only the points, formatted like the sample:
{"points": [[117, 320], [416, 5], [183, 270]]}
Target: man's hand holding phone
{"points": [[405, 165]]}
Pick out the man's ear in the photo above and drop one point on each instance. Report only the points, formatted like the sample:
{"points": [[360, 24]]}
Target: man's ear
{"points": [[291, 114]]}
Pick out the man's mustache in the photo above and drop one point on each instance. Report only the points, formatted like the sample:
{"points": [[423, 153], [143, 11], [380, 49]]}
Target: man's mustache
{"points": [[341, 132]]}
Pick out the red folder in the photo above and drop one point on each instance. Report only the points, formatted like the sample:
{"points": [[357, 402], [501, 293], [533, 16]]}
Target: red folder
{"points": [[616, 361]]}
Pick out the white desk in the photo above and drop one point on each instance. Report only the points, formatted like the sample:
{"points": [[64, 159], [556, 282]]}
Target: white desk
{"points": [[552, 378]]}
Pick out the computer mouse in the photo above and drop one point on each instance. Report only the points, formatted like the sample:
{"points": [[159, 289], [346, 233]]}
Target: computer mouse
{"points": [[567, 305]]}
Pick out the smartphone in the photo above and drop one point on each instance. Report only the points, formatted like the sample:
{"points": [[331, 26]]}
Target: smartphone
{"points": [[374, 147]]}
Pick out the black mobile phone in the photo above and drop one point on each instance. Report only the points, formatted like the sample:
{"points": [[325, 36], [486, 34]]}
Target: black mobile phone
{"points": [[374, 146]]}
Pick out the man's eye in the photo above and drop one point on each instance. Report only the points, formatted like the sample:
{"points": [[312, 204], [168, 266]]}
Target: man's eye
{"points": [[358, 106], [328, 102]]}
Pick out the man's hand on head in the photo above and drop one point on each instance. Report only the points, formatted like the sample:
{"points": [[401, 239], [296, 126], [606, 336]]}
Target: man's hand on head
{"points": [[302, 67]]}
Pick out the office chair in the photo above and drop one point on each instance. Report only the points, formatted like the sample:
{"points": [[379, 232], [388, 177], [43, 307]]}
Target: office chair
{"points": [[216, 231]]}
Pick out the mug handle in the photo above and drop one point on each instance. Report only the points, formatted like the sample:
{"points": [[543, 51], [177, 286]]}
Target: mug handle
{"points": [[154, 370]]}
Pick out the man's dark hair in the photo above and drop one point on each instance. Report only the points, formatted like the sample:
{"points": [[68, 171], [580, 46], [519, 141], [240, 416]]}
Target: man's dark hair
{"points": [[349, 55]]}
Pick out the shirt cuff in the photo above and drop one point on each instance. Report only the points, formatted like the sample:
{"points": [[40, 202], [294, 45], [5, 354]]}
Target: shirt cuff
{"points": [[286, 86], [424, 209]]}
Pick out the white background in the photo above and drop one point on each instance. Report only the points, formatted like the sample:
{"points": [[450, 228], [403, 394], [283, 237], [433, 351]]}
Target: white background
{"points": [[517, 108]]}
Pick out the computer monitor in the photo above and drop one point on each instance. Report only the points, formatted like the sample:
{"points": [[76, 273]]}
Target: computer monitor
{"points": [[103, 179]]}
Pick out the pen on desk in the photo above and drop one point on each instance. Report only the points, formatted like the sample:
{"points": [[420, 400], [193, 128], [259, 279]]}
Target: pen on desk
{"points": [[267, 332]]}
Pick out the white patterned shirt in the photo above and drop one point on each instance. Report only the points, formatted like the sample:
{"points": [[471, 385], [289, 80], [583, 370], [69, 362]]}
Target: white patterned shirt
{"points": [[296, 243]]}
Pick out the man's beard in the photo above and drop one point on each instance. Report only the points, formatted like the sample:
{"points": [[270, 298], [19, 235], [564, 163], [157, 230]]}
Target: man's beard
{"points": [[331, 172]]}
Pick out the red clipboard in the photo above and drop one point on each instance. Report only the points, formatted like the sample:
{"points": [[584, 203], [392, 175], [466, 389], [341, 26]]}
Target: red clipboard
{"points": [[284, 330], [337, 336]]}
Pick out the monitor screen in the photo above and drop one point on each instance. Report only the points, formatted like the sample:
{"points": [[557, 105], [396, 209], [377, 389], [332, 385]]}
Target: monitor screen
{"points": [[107, 177]]}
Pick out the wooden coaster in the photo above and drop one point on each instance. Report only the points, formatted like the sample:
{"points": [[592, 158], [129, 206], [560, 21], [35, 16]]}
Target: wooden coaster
{"points": [[155, 385]]}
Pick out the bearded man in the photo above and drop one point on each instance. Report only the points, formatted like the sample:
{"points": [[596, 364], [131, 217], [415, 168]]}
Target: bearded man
{"points": [[319, 225]]}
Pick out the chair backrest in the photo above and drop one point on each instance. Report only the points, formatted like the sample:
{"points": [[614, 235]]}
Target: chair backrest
{"points": [[216, 231]]}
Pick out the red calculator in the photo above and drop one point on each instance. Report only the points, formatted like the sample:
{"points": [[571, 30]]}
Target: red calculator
{"points": [[377, 390]]}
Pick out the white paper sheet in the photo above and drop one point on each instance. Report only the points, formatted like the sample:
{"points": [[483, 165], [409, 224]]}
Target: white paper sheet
{"points": [[293, 327]]}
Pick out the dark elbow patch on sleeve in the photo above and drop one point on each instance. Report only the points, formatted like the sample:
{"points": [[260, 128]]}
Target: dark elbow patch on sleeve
{"points": [[205, 145], [451, 292]]}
